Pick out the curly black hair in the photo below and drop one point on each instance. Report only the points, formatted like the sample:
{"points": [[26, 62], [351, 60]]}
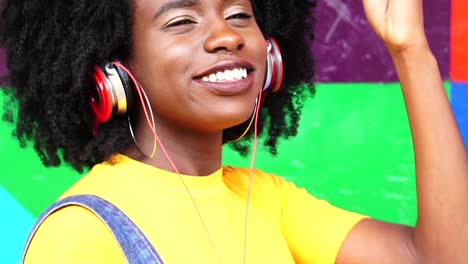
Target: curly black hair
{"points": [[53, 46]]}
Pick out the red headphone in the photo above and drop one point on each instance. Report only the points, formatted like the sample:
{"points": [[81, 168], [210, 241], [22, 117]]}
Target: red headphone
{"points": [[113, 91], [274, 71]]}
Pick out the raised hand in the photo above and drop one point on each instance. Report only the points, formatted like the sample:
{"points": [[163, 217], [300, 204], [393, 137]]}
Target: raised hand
{"points": [[441, 233], [399, 23]]}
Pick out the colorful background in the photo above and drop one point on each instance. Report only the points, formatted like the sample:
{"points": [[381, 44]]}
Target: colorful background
{"points": [[354, 146]]}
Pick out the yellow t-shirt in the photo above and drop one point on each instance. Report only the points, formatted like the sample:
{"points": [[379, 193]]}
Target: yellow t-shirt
{"points": [[286, 224]]}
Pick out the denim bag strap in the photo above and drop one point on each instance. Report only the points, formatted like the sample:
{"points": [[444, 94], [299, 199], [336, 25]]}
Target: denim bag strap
{"points": [[133, 243]]}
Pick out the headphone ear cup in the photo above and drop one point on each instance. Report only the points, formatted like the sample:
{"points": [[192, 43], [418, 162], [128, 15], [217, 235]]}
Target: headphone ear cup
{"points": [[111, 93], [274, 69], [100, 98]]}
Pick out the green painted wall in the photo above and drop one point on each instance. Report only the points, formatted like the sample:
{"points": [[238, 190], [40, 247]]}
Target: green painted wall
{"points": [[353, 149]]}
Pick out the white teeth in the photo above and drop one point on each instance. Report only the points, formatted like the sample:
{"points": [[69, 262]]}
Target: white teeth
{"points": [[213, 77], [236, 74], [244, 73], [220, 76], [226, 76]]}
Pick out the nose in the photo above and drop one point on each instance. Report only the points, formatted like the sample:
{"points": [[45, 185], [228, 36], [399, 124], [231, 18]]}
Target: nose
{"points": [[223, 37]]}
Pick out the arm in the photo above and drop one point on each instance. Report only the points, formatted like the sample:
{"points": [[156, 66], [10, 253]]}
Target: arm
{"points": [[441, 233]]}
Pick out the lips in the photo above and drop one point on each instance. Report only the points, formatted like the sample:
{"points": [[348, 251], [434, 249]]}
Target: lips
{"points": [[229, 88], [227, 77], [228, 65]]}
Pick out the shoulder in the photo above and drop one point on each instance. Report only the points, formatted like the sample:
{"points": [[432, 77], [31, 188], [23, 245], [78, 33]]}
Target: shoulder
{"points": [[269, 189], [104, 179], [242, 175], [73, 235], [262, 182]]}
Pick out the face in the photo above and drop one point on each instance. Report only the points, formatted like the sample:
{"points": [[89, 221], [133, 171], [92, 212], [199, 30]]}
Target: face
{"points": [[201, 62]]}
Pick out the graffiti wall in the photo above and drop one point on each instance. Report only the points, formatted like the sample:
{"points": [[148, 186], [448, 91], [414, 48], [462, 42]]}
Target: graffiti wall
{"points": [[353, 148]]}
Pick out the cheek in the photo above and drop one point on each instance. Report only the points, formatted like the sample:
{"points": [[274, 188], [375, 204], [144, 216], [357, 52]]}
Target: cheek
{"points": [[175, 60], [158, 66], [169, 56], [258, 45], [261, 58]]}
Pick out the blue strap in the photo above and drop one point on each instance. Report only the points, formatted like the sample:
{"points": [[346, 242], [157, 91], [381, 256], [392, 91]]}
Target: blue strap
{"points": [[133, 243]]}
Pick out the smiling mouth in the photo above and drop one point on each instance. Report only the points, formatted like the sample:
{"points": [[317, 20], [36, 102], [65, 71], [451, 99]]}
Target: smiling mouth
{"points": [[227, 75], [228, 82], [233, 75]]}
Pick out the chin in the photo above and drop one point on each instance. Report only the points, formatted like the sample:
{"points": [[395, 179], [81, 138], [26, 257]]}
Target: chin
{"points": [[236, 118], [223, 121], [221, 114]]}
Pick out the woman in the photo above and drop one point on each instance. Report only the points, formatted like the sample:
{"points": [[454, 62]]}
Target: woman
{"points": [[197, 71]]}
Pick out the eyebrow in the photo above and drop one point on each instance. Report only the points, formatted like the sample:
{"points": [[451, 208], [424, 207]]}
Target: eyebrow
{"points": [[175, 4]]}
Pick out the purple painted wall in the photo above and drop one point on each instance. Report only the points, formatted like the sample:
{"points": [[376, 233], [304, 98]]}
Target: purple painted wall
{"points": [[2, 63], [347, 50]]}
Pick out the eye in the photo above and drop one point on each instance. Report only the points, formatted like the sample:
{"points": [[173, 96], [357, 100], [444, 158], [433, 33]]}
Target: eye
{"points": [[180, 22], [241, 19], [241, 16]]}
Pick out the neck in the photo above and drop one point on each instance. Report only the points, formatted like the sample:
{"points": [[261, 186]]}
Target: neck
{"points": [[192, 153]]}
